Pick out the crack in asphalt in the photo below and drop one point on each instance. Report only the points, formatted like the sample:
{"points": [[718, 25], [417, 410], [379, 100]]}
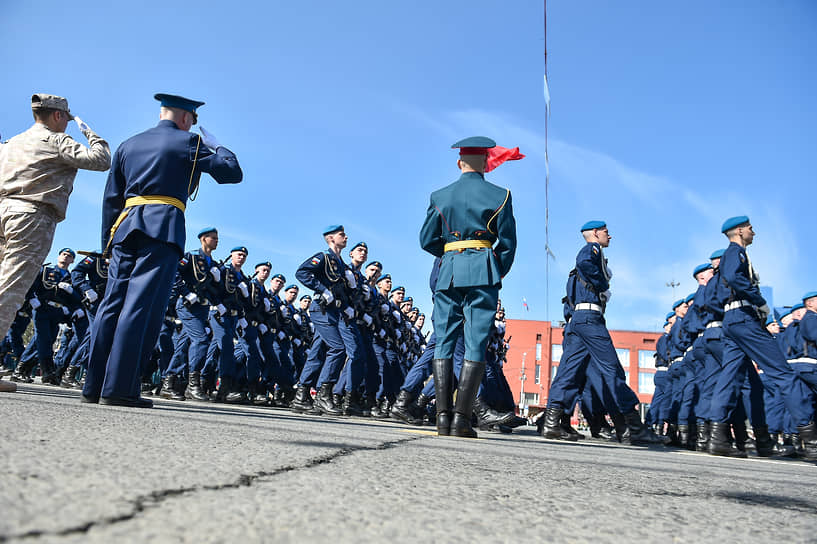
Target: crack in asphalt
{"points": [[155, 498]]}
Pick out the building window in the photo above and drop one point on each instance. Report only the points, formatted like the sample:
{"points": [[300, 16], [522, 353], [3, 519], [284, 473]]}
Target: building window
{"points": [[531, 398], [556, 353], [553, 370], [538, 352], [627, 378], [646, 358], [646, 383], [538, 337], [623, 357], [536, 376]]}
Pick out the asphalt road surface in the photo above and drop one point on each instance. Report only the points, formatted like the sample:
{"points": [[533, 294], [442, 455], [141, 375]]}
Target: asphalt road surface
{"points": [[191, 472]]}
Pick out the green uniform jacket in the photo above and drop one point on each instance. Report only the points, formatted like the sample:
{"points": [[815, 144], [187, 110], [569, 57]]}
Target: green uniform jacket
{"points": [[471, 209]]}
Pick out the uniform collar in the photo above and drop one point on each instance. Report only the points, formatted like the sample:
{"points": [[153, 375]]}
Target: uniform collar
{"points": [[167, 123]]}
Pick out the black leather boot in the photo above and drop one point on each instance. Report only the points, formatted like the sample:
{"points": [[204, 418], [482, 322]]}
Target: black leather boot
{"points": [[683, 435], [303, 399], [470, 379], [324, 402], [808, 434], [69, 379], [232, 394], [421, 408], [564, 421], [702, 436], [763, 441], [488, 416], [552, 426], [402, 409], [444, 389], [719, 443], [672, 434], [741, 436], [638, 434], [352, 404], [194, 390], [169, 388], [22, 373], [337, 400]]}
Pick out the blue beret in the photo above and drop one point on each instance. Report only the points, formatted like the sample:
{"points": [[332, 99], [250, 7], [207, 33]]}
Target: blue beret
{"points": [[68, 250], [670, 314], [265, 263], [357, 245], [384, 277], [677, 303], [480, 142], [665, 324], [770, 319], [798, 306], [700, 268], [399, 288], [290, 286], [175, 101], [689, 297], [307, 297], [331, 229], [810, 294], [733, 222], [374, 263], [414, 309], [280, 277], [240, 248], [205, 231], [780, 313], [590, 225], [717, 254]]}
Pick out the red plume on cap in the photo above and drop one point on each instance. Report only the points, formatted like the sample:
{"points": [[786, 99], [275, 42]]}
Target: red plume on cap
{"points": [[497, 155]]}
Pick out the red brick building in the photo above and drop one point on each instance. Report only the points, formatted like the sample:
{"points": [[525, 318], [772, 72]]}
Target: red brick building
{"points": [[536, 349]]}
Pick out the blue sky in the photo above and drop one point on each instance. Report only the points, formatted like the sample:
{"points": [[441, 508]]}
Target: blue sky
{"points": [[666, 119]]}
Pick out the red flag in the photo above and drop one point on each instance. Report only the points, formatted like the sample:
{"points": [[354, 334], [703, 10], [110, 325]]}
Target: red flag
{"points": [[497, 155]]}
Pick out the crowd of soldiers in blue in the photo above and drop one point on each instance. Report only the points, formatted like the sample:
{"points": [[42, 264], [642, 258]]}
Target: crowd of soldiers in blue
{"points": [[725, 357], [236, 338]]}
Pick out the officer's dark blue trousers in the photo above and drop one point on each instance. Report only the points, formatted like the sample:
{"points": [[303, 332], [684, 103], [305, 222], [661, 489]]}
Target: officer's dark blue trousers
{"points": [[68, 347], [457, 359], [660, 397], [129, 317], [371, 379], [421, 369], [341, 341], [180, 358], [387, 369], [15, 335], [272, 370], [773, 403], [46, 326], [746, 341], [165, 344], [712, 357], [692, 368], [751, 395], [587, 328], [249, 343], [352, 374], [221, 345], [464, 311], [283, 349], [195, 322], [80, 356]]}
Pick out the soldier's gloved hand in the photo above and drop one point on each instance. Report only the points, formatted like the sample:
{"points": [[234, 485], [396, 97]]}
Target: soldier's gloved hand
{"points": [[262, 328], [367, 318], [243, 323], [266, 304], [35, 303], [66, 311], [381, 333], [209, 140], [605, 296], [396, 315], [297, 318], [328, 296], [82, 125], [207, 331], [65, 286], [384, 309], [350, 278], [243, 288], [297, 342], [221, 309], [350, 312], [764, 312], [91, 295], [367, 292], [284, 310], [281, 335], [192, 298], [216, 273], [399, 334], [79, 314]]}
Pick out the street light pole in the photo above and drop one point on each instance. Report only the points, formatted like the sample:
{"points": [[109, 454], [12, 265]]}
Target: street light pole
{"points": [[672, 283], [522, 379]]}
